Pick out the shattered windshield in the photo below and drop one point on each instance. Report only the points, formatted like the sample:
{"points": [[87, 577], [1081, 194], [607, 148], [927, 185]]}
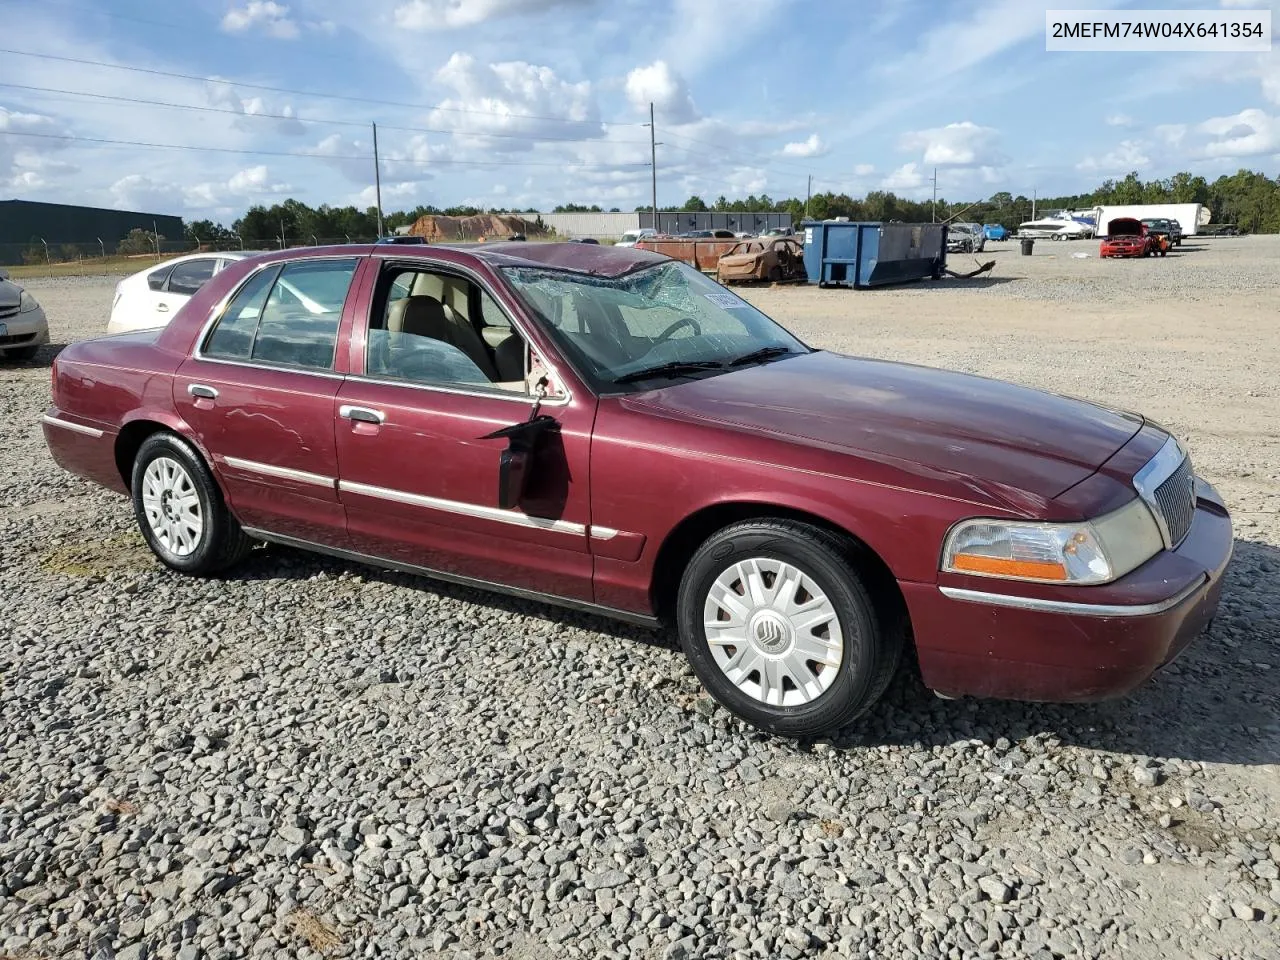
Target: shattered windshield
{"points": [[668, 320]]}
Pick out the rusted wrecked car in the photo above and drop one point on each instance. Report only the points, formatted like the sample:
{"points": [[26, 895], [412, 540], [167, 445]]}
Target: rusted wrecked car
{"points": [[764, 258]]}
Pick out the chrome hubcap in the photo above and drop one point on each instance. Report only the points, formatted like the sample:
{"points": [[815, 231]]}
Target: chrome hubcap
{"points": [[172, 506], [773, 632]]}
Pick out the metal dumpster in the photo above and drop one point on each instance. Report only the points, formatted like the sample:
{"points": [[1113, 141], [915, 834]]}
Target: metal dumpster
{"points": [[844, 253]]}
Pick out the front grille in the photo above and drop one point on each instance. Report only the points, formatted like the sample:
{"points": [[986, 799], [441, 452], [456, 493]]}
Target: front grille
{"points": [[1176, 501], [7, 312]]}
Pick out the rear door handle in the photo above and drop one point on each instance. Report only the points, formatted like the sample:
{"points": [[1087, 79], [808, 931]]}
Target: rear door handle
{"points": [[202, 391], [361, 414], [162, 307]]}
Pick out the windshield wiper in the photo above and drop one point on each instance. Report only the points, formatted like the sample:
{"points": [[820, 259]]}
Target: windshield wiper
{"points": [[674, 368], [755, 356]]}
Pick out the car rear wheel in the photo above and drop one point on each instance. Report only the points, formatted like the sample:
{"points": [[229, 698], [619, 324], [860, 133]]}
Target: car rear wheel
{"points": [[780, 628], [180, 509]]}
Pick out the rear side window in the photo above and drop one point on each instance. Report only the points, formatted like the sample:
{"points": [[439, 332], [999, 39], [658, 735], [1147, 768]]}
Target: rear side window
{"points": [[285, 317], [189, 277], [156, 278]]}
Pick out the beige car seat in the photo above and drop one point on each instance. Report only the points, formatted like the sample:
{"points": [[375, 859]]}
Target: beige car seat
{"points": [[427, 317]]}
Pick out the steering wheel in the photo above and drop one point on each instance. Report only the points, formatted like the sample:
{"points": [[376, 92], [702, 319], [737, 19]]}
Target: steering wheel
{"points": [[682, 322]]}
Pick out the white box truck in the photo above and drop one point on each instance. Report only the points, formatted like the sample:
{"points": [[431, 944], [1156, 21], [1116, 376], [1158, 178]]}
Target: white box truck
{"points": [[1190, 216]]}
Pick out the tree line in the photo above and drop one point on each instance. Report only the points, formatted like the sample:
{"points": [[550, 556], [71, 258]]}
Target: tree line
{"points": [[1248, 199]]}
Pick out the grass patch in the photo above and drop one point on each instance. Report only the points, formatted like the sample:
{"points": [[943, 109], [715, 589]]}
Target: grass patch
{"points": [[127, 553], [319, 935], [95, 267]]}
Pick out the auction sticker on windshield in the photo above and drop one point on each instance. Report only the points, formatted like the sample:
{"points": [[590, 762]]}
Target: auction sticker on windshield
{"points": [[726, 301]]}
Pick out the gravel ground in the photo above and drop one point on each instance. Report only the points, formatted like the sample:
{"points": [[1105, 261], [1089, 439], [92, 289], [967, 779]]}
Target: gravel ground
{"points": [[312, 758]]}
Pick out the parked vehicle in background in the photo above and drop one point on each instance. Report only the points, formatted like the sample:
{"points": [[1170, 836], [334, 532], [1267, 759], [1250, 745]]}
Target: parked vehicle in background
{"points": [[962, 238], [150, 297], [1126, 237], [402, 239], [1054, 228], [584, 240], [994, 231], [24, 329], [1175, 232], [765, 258], [1192, 217], [781, 232], [1161, 233], [610, 430], [630, 237]]}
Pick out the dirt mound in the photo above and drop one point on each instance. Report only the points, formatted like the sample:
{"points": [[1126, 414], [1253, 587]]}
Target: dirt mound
{"points": [[483, 226]]}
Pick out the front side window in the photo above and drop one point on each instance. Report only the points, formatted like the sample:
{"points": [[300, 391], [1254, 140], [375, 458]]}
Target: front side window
{"points": [[661, 322], [285, 316], [431, 327]]}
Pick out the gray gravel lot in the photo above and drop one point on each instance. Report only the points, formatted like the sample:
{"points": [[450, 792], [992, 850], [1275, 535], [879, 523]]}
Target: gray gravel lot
{"points": [[313, 758]]}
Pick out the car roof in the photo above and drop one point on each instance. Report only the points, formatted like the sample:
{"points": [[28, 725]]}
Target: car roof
{"points": [[599, 260]]}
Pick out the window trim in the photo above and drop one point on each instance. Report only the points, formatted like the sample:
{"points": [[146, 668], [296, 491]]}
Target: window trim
{"points": [[221, 308], [426, 265]]}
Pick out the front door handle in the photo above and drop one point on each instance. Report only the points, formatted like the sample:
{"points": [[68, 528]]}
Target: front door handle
{"points": [[201, 391], [361, 414], [162, 307]]}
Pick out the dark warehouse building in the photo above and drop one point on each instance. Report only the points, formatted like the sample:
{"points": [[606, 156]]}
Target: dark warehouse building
{"points": [[25, 223]]}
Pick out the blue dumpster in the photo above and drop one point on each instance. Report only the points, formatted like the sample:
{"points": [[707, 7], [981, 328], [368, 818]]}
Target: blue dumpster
{"points": [[844, 253]]}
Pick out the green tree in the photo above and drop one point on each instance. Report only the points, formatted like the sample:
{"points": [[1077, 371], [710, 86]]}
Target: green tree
{"points": [[695, 203]]}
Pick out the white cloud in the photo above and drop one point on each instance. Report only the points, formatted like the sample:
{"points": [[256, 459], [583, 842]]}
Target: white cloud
{"points": [[1119, 120], [658, 84], [394, 195], [427, 15], [962, 144], [513, 98], [264, 17], [239, 190], [24, 161], [1128, 155], [812, 147], [139, 192], [1269, 71], [1172, 133], [864, 170], [1249, 133], [909, 176]]}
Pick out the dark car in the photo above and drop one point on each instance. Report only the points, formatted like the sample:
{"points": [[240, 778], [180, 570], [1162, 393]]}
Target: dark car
{"points": [[404, 239], [1175, 233], [1160, 231], [609, 429]]}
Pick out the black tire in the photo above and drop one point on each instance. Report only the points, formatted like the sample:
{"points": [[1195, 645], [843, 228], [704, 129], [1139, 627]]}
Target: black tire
{"points": [[221, 542], [873, 641], [21, 354]]}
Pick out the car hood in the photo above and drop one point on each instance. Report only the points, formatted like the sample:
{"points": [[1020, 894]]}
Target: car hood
{"points": [[10, 294], [952, 423]]}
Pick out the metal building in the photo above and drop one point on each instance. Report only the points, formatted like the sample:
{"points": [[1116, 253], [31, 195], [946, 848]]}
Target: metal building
{"points": [[28, 224]]}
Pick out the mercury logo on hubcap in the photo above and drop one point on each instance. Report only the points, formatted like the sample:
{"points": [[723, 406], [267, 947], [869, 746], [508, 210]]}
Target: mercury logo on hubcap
{"points": [[772, 634]]}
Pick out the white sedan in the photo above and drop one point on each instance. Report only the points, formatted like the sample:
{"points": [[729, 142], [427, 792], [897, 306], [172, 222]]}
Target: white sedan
{"points": [[151, 297]]}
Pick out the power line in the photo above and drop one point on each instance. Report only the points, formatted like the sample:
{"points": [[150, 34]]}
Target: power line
{"points": [[305, 93], [142, 101], [310, 156]]}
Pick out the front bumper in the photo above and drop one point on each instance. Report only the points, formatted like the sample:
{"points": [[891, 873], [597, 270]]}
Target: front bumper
{"points": [[30, 329], [1072, 644]]}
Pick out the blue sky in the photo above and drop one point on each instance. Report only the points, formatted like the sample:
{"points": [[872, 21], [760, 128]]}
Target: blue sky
{"points": [[530, 103]]}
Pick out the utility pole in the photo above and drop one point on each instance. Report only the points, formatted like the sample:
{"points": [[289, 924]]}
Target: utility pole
{"points": [[1033, 203], [377, 178], [653, 163], [933, 207], [808, 192]]}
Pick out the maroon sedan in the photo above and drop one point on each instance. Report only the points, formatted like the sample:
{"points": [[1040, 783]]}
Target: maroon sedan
{"points": [[609, 429]]}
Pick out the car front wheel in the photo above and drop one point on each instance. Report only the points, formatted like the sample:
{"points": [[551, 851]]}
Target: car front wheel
{"points": [[180, 509], [780, 628]]}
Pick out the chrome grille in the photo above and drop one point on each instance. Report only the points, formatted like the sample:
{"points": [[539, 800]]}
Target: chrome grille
{"points": [[1168, 485], [1176, 501]]}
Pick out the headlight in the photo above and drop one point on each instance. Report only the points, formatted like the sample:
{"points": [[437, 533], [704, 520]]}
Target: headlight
{"points": [[28, 303], [1092, 552]]}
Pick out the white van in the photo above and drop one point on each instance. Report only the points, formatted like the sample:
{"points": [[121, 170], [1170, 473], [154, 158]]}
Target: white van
{"points": [[631, 236]]}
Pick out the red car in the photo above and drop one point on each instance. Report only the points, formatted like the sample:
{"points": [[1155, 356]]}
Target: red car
{"points": [[1127, 237], [609, 429]]}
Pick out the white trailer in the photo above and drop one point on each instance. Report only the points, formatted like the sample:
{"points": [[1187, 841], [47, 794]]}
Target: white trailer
{"points": [[1190, 216]]}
